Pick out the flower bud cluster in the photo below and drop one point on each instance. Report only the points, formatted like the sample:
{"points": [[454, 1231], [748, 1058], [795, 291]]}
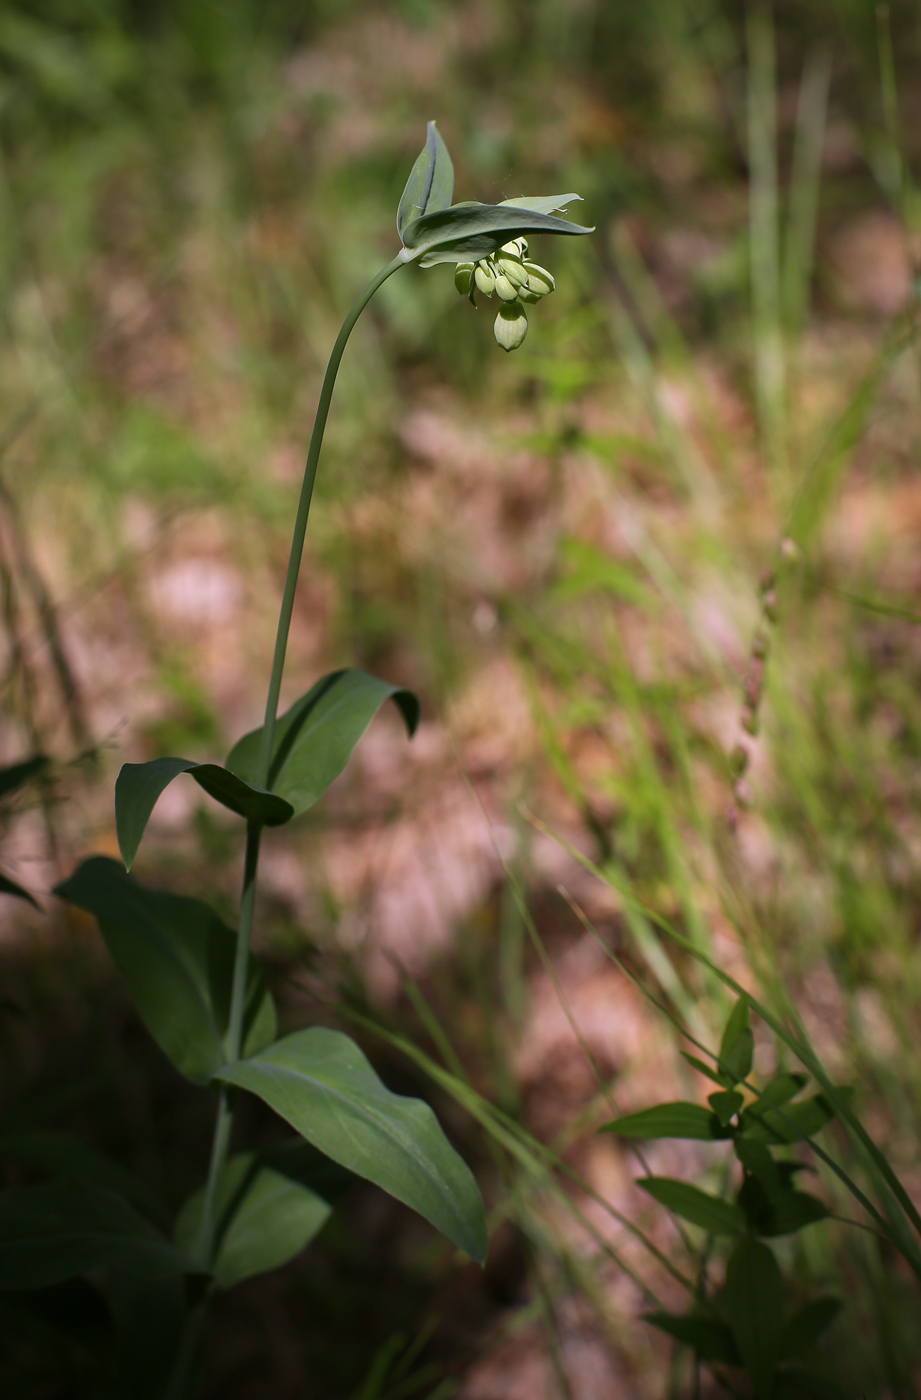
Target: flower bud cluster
{"points": [[509, 275]]}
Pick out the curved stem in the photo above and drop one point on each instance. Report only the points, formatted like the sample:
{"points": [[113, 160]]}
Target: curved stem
{"points": [[207, 1237], [303, 510]]}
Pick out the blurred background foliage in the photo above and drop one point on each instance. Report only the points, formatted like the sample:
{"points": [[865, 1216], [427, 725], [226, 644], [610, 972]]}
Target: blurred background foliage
{"points": [[560, 550]]}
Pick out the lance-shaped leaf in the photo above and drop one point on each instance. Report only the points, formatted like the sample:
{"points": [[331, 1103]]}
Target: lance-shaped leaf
{"points": [[431, 181], [270, 1205], [737, 1046], [712, 1214], [313, 741], [806, 1326], [176, 957], [754, 1301], [322, 1084], [61, 1154], [472, 231], [711, 1339], [139, 785], [669, 1120], [64, 1228], [791, 1122]]}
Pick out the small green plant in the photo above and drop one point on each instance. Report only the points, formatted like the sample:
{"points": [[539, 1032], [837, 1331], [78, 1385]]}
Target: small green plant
{"points": [[747, 1322], [200, 991]]}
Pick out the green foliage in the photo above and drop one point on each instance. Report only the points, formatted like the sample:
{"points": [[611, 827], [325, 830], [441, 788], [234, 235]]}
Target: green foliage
{"points": [[322, 1084], [64, 1228], [314, 740], [177, 959]]}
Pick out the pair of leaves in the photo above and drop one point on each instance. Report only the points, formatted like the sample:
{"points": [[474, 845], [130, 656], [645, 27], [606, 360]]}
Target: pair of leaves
{"points": [[311, 745], [12, 778], [176, 957], [269, 1207], [433, 230], [757, 1334]]}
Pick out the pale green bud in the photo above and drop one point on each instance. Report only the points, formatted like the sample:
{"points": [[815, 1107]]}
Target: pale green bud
{"points": [[513, 269], [484, 279], [539, 279], [506, 289], [511, 325], [462, 275]]}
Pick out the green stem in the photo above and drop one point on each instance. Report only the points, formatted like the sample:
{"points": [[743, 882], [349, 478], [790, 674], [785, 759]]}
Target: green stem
{"points": [[221, 1142], [303, 510]]}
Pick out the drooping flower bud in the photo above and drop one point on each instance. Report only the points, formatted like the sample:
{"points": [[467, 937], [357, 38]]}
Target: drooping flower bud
{"points": [[484, 278], [506, 289], [514, 270], [540, 281], [511, 325], [462, 275]]}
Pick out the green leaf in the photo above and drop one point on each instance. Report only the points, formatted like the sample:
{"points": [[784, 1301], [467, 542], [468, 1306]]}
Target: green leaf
{"points": [[472, 231], [792, 1211], [63, 1228], [716, 1216], [176, 957], [780, 1090], [139, 785], [793, 1122], [711, 1339], [16, 775], [754, 1300], [265, 1217], [431, 181], [61, 1154], [758, 1162], [540, 203], [806, 1326], [737, 1046], [668, 1120], [8, 886], [322, 1084], [803, 1383], [706, 1070], [725, 1105], [314, 740]]}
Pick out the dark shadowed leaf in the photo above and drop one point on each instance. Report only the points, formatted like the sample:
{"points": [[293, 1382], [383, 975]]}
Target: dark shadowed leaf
{"points": [[753, 1297], [176, 957], [313, 741], [737, 1046], [711, 1339], [63, 1228], [792, 1211], [322, 1084], [668, 1120], [806, 1326], [716, 1216], [8, 886], [472, 231], [139, 785], [60, 1154], [431, 181], [265, 1217], [725, 1105], [803, 1383], [790, 1123], [757, 1160], [781, 1089]]}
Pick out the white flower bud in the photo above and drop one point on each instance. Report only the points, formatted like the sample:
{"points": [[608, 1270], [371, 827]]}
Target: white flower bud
{"points": [[514, 270], [484, 279], [539, 279], [462, 275], [511, 325], [506, 289]]}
